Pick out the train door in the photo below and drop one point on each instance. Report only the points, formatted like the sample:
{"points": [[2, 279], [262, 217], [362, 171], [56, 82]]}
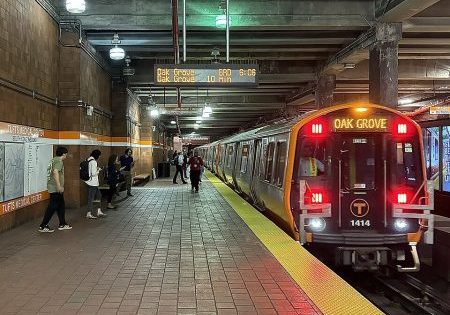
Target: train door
{"points": [[256, 165], [361, 186]]}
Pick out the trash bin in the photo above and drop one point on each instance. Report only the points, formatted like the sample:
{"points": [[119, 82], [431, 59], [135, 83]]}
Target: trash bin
{"points": [[163, 169]]}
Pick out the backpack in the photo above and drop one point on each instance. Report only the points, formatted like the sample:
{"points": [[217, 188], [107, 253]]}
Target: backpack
{"points": [[84, 170]]}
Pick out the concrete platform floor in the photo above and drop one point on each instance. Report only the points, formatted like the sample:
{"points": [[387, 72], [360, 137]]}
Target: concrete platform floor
{"points": [[163, 251]]}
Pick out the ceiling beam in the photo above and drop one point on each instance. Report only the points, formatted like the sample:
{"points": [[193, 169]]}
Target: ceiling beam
{"points": [[401, 10]]}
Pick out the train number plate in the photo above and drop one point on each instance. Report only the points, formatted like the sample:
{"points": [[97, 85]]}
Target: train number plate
{"points": [[360, 223]]}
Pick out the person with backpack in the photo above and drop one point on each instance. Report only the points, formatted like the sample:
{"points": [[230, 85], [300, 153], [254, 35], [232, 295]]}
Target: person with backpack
{"points": [[112, 177], [55, 187], [94, 194], [196, 164], [127, 163], [179, 165]]}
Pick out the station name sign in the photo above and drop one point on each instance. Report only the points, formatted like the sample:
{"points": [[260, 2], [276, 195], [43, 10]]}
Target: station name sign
{"points": [[216, 75], [360, 124]]}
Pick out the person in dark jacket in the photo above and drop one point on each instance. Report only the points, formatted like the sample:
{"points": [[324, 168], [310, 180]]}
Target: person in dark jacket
{"points": [[112, 178], [196, 164]]}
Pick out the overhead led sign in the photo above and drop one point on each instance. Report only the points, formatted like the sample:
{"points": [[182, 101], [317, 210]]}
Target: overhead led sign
{"points": [[206, 75], [360, 124]]}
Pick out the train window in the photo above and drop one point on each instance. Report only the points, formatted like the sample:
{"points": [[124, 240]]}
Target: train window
{"points": [[406, 164], [244, 158], [358, 160], [280, 163], [312, 158], [269, 161]]}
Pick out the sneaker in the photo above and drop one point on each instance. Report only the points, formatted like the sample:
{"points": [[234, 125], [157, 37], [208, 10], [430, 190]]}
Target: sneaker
{"points": [[111, 207], [90, 216], [64, 227], [46, 229], [101, 214]]}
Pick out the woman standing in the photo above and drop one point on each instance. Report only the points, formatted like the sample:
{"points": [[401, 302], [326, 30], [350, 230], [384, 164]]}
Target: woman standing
{"points": [[94, 194], [113, 177]]}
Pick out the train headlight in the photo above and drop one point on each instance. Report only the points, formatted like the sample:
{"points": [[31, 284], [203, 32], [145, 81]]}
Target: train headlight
{"points": [[317, 224], [400, 224]]}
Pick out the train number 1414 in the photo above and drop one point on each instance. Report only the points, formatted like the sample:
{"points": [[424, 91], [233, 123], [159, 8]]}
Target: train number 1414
{"points": [[360, 222]]}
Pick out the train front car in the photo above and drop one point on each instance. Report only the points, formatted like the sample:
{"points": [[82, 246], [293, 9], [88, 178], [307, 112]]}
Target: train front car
{"points": [[359, 186]]}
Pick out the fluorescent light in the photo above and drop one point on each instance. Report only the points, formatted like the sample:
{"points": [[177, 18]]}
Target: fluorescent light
{"points": [[154, 113], [75, 6], [198, 121], [207, 110], [173, 122], [221, 21], [205, 115], [116, 53], [405, 101]]}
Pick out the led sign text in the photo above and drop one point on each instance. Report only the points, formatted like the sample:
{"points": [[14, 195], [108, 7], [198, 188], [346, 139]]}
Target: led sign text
{"points": [[374, 124]]}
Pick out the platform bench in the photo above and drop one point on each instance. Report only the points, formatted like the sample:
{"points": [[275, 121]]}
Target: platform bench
{"points": [[141, 178]]}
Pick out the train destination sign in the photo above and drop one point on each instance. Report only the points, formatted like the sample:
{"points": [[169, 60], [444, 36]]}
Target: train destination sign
{"points": [[218, 75], [362, 124]]}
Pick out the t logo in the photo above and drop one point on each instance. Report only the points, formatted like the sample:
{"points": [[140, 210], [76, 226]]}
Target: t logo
{"points": [[359, 208]]}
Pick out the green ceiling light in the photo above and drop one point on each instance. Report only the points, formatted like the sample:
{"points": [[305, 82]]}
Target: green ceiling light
{"points": [[221, 21]]}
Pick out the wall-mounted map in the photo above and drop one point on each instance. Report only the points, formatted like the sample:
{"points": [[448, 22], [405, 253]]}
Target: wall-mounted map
{"points": [[37, 158], [2, 171], [14, 170]]}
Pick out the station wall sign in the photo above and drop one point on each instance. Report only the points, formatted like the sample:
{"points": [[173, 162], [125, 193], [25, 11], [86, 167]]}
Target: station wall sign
{"points": [[214, 75], [440, 110]]}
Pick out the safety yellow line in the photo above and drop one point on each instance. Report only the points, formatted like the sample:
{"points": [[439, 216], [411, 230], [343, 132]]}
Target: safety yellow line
{"points": [[329, 292]]}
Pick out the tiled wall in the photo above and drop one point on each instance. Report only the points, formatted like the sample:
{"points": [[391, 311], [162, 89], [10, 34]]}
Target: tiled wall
{"points": [[32, 57]]}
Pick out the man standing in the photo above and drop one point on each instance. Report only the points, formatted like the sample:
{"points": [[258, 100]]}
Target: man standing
{"points": [[196, 164], [55, 186], [179, 160], [127, 162]]}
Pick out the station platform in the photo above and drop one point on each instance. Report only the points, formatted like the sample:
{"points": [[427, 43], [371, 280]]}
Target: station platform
{"points": [[169, 251]]}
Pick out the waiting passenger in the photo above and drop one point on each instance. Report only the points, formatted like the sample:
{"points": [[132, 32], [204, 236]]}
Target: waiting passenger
{"points": [[127, 163], [196, 164], [94, 194], [309, 165], [55, 186], [112, 178], [179, 165]]}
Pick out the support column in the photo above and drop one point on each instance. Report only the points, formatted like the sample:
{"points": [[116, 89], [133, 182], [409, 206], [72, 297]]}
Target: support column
{"points": [[325, 86], [383, 65]]}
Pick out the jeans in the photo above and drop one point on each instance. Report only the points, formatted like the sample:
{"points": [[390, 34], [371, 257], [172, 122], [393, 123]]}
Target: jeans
{"points": [[94, 195], [111, 192], [56, 204], [179, 171], [195, 179], [127, 176]]}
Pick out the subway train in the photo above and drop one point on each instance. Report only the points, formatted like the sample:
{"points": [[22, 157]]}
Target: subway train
{"points": [[349, 179]]}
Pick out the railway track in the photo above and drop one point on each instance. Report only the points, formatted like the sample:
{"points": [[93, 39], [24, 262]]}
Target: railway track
{"points": [[399, 294]]}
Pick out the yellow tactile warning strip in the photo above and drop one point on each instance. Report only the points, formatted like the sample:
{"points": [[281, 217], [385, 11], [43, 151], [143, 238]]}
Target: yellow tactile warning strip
{"points": [[330, 293]]}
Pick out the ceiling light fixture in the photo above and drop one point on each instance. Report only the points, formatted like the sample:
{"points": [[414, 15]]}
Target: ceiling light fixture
{"points": [[154, 112], [405, 101], [116, 53], [349, 66], [198, 121], [196, 126], [207, 109], [75, 6], [173, 122], [206, 115]]}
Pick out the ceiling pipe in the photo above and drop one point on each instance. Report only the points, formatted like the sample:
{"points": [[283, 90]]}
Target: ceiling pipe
{"points": [[184, 31], [228, 31], [175, 37]]}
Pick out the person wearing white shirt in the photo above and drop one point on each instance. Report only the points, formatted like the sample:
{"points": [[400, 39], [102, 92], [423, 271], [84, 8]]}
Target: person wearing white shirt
{"points": [[94, 194]]}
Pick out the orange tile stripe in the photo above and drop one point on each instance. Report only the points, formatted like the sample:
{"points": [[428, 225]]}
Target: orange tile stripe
{"points": [[22, 202]]}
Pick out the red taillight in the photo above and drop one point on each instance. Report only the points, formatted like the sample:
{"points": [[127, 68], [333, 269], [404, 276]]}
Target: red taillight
{"points": [[402, 127], [402, 197], [317, 129], [317, 197]]}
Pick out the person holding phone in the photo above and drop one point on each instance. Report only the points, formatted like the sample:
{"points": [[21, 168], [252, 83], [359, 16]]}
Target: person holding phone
{"points": [[112, 178], [127, 164]]}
